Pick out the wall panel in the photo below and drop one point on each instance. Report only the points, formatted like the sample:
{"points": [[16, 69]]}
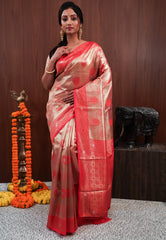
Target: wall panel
{"points": [[132, 35]]}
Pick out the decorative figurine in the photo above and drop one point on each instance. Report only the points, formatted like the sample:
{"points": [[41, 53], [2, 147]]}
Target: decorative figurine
{"points": [[135, 121]]}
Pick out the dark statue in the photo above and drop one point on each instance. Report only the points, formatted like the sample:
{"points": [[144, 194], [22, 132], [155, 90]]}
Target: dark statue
{"points": [[132, 122]]}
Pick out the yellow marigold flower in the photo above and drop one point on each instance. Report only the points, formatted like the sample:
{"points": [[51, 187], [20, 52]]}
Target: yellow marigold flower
{"points": [[5, 198]]}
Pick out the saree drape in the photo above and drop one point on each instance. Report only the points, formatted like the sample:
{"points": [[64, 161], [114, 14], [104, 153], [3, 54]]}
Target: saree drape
{"points": [[82, 139]]}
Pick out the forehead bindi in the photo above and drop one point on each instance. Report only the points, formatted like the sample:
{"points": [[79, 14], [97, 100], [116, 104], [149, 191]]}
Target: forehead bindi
{"points": [[68, 12]]}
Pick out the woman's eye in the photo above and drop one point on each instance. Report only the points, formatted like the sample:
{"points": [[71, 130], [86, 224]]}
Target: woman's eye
{"points": [[64, 19], [74, 18]]}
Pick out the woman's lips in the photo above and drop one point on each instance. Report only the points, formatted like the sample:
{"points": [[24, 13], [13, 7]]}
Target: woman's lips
{"points": [[69, 28]]}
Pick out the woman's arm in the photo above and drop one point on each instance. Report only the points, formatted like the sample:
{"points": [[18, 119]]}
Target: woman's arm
{"points": [[48, 76]]}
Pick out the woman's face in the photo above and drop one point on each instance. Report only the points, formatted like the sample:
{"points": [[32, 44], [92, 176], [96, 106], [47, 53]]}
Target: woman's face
{"points": [[70, 21]]}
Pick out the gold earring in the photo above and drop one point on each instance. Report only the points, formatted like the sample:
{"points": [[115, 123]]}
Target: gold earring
{"points": [[80, 32], [61, 34]]}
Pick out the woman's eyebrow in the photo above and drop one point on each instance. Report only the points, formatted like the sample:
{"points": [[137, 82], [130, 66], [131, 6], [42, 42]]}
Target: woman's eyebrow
{"points": [[73, 15]]}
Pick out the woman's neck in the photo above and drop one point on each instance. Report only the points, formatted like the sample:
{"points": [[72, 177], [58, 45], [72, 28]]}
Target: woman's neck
{"points": [[72, 40]]}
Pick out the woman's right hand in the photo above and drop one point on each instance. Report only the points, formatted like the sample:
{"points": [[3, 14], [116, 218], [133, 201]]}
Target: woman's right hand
{"points": [[64, 50], [48, 78]]}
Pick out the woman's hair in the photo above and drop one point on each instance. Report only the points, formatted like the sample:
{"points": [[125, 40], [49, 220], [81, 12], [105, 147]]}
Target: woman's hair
{"points": [[71, 5], [65, 6]]}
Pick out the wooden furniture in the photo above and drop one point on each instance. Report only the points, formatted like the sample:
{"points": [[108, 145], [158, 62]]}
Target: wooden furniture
{"points": [[140, 173]]}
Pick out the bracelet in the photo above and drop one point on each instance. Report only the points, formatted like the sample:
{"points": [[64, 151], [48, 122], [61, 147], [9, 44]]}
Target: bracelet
{"points": [[49, 72]]}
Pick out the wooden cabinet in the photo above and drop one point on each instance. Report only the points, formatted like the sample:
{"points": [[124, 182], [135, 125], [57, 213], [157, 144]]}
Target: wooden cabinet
{"points": [[140, 173]]}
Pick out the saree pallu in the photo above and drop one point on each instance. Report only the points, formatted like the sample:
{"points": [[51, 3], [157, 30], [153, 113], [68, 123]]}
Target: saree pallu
{"points": [[81, 133]]}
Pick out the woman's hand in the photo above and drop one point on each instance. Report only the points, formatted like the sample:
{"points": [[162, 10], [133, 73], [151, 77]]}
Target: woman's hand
{"points": [[69, 98], [50, 64], [48, 77], [64, 50]]}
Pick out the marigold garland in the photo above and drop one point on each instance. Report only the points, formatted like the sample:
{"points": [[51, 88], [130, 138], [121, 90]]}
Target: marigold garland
{"points": [[41, 194], [34, 185], [21, 200], [42, 186], [17, 199]]}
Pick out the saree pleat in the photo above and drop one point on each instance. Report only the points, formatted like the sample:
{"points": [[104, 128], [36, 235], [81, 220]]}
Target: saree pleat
{"points": [[64, 164], [79, 114]]}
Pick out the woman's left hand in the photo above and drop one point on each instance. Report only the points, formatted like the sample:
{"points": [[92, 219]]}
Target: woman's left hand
{"points": [[69, 98]]}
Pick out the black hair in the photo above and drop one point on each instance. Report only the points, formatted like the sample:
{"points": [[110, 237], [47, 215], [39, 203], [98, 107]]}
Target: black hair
{"points": [[65, 6], [75, 8]]}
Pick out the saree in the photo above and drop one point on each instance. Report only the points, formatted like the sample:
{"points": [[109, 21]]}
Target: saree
{"points": [[79, 116]]}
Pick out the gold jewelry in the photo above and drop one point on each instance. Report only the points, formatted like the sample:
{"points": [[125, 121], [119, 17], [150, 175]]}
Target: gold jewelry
{"points": [[61, 34], [80, 32], [49, 72]]}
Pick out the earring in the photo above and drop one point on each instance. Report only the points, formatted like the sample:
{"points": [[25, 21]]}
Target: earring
{"points": [[61, 34], [80, 32]]}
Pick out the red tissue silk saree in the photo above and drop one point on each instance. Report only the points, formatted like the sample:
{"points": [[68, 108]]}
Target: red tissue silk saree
{"points": [[82, 140]]}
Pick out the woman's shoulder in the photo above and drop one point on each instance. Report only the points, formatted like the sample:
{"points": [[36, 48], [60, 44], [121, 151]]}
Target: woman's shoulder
{"points": [[95, 46], [93, 43]]}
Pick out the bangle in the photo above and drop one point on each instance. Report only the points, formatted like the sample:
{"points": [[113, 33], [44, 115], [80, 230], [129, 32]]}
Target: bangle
{"points": [[49, 72]]}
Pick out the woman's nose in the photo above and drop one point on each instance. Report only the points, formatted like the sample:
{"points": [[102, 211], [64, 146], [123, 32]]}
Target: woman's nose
{"points": [[69, 21]]}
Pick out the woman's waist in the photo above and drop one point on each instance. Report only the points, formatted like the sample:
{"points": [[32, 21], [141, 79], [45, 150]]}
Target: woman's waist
{"points": [[61, 97]]}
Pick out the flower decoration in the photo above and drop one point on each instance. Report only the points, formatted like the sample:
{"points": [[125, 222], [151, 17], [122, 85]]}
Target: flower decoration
{"points": [[5, 198], [21, 200], [22, 197]]}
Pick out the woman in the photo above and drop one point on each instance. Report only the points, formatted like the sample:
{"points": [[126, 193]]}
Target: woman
{"points": [[79, 115]]}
